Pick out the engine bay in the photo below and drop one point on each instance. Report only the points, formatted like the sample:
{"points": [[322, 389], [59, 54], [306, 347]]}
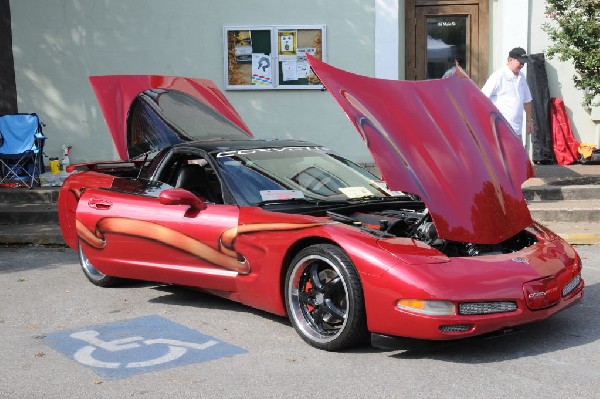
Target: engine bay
{"points": [[415, 222]]}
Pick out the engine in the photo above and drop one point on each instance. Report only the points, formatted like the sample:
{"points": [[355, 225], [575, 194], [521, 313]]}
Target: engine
{"points": [[417, 224]]}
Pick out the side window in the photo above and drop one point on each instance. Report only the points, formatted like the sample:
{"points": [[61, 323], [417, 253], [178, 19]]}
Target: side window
{"points": [[197, 176], [146, 188]]}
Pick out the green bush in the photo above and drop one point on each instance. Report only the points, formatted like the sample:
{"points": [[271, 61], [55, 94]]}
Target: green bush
{"points": [[574, 29]]}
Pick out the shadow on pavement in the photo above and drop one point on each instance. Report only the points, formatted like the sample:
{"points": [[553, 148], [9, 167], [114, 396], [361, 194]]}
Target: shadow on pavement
{"points": [[189, 297], [13, 259], [572, 327]]}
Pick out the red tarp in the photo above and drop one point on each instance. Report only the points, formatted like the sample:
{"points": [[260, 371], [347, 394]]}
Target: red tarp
{"points": [[565, 147]]}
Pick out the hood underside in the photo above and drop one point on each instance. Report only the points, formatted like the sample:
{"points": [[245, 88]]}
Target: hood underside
{"points": [[167, 101], [444, 141]]}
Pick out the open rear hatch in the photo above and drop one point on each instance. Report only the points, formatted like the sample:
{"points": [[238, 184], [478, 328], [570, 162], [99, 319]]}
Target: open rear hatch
{"points": [[146, 113]]}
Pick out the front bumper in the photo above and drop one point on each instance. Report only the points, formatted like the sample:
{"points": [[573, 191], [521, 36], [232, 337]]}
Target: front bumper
{"points": [[397, 322]]}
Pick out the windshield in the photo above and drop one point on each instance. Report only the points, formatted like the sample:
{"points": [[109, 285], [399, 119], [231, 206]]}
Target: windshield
{"points": [[262, 175]]}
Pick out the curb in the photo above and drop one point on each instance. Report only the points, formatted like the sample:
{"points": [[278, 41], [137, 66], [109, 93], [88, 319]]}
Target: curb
{"points": [[44, 234], [581, 239], [561, 193]]}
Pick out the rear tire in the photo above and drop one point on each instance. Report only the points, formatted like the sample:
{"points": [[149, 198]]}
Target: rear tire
{"points": [[324, 298], [94, 275]]}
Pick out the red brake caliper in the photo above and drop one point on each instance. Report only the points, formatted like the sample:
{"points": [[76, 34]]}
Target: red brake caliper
{"points": [[307, 288]]}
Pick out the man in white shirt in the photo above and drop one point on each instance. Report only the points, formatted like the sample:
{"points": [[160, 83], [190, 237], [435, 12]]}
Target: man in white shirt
{"points": [[508, 90]]}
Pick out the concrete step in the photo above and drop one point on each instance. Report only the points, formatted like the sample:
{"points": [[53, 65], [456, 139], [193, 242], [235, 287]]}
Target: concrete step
{"points": [[531, 193], [544, 211], [24, 213], [581, 233], [31, 234], [24, 195], [31, 217], [566, 211], [556, 193]]}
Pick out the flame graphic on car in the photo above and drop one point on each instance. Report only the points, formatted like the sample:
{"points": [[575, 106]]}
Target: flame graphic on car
{"points": [[225, 256]]}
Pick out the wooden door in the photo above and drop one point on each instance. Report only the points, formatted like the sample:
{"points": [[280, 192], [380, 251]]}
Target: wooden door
{"points": [[439, 33]]}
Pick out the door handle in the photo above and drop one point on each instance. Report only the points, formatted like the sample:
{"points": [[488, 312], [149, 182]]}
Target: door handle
{"points": [[99, 203]]}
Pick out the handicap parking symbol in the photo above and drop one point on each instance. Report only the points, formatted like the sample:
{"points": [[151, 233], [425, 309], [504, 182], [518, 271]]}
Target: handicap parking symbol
{"points": [[136, 346]]}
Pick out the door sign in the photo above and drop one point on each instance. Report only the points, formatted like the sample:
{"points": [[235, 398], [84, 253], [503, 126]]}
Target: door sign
{"points": [[136, 346]]}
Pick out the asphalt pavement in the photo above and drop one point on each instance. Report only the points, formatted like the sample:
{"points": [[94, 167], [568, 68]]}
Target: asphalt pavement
{"points": [[50, 315]]}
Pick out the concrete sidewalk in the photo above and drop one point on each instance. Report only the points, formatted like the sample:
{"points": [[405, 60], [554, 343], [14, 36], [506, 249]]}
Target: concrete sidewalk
{"points": [[568, 175]]}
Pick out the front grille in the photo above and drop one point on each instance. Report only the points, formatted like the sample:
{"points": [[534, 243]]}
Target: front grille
{"points": [[470, 308], [456, 328], [571, 285]]}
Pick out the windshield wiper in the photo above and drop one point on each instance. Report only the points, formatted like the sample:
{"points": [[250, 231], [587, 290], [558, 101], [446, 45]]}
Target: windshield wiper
{"points": [[369, 198], [288, 201], [302, 201]]}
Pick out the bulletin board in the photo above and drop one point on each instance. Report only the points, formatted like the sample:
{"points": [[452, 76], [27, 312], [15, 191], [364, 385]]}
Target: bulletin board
{"points": [[272, 57]]}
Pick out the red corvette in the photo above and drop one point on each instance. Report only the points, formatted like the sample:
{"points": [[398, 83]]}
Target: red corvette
{"points": [[442, 248]]}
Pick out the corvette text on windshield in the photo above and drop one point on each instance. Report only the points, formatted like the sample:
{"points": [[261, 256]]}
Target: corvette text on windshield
{"points": [[257, 150]]}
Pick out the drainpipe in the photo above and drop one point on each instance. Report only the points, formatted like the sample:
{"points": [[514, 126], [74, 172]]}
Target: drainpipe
{"points": [[595, 114]]}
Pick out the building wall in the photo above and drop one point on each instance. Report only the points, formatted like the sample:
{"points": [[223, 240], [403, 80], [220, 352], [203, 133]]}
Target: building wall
{"points": [[519, 23], [560, 78], [57, 44]]}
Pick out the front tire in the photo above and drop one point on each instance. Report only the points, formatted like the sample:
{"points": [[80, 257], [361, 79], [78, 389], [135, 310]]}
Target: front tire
{"points": [[324, 298], [94, 275]]}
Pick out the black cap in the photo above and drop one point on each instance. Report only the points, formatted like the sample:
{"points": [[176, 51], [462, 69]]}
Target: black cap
{"points": [[519, 54]]}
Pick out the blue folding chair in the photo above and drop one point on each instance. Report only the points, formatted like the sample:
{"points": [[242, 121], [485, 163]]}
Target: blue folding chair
{"points": [[21, 149]]}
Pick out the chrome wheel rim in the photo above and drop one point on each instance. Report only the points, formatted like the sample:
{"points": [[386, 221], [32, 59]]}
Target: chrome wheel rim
{"points": [[88, 268], [318, 298]]}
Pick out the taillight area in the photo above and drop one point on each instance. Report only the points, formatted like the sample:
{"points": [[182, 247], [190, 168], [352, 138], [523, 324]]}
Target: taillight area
{"points": [[542, 293]]}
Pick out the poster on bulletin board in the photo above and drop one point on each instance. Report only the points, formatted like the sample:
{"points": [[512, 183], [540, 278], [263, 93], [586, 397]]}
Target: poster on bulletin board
{"points": [[287, 45], [272, 57]]}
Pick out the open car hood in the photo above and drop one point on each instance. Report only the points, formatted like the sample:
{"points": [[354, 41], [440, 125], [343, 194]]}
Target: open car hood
{"points": [[444, 141], [146, 113]]}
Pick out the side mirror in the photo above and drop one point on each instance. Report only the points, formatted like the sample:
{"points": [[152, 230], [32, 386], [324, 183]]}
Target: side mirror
{"points": [[179, 196]]}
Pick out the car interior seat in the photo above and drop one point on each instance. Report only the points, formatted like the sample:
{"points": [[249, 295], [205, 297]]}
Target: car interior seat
{"points": [[194, 179]]}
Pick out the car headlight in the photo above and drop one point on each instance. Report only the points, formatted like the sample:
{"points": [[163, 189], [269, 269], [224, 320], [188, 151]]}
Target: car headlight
{"points": [[433, 308]]}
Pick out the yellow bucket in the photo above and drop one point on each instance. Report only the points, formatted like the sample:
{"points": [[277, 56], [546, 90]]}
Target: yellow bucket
{"points": [[54, 166]]}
